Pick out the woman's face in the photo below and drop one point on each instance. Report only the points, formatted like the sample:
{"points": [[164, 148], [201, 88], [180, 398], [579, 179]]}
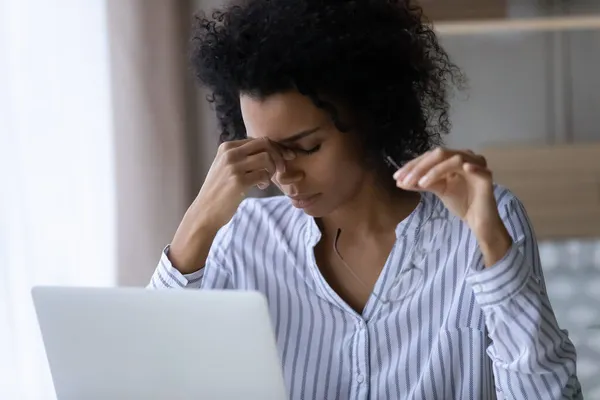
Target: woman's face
{"points": [[328, 169]]}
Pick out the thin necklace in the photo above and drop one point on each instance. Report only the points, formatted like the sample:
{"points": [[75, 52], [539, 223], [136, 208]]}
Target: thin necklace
{"points": [[364, 285]]}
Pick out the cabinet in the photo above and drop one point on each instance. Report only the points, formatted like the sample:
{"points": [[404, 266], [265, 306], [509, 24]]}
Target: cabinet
{"points": [[559, 185]]}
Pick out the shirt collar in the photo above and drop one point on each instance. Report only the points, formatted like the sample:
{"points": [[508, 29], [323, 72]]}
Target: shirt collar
{"points": [[312, 232], [415, 220]]}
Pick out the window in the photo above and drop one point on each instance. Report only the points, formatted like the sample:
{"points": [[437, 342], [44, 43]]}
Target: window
{"points": [[56, 163]]}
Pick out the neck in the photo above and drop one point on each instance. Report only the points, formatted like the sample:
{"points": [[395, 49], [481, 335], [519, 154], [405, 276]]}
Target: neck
{"points": [[372, 211]]}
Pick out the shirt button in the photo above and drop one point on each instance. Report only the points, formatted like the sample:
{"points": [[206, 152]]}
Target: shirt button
{"points": [[360, 378]]}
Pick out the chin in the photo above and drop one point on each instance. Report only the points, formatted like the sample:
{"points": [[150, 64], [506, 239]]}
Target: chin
{"points": [[317, 210], [314, 213]]}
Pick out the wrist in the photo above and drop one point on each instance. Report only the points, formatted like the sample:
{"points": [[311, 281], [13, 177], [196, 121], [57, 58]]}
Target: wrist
{"points": [[192, 241], [201, 217], [494, 242]]}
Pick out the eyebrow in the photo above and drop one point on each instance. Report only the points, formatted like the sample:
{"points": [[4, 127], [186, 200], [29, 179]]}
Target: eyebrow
{"points": [[299, 136]]}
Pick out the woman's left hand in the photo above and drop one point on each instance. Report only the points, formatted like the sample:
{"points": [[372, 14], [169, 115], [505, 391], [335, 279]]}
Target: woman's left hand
{"points": [[462, 180]]}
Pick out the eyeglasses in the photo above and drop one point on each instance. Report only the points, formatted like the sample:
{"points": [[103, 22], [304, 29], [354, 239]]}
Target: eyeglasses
{"points": [[410, 274]]}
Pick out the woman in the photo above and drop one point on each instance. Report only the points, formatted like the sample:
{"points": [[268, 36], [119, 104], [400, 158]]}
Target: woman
{"points": [[421, 282]]}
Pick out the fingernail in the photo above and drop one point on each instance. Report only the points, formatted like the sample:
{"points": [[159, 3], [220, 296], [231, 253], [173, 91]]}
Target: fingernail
{"points": [[423, 180], [408, 179], [399, 175], [289, 155]]}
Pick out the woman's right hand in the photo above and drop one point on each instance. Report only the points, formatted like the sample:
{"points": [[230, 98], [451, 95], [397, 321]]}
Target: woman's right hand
{"points": [[238, 166]]}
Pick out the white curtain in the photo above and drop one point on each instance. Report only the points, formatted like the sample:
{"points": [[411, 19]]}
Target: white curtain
{"points": [[57, 207]]}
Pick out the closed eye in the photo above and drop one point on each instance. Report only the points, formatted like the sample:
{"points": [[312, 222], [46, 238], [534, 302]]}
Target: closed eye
{"points": [[309, 151]]}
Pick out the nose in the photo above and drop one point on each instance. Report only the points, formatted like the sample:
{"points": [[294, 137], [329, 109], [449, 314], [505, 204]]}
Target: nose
{"points": [[292, 174]]}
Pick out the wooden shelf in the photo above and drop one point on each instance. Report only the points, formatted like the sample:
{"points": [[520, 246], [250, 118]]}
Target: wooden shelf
{"points": [[558, 184], [538, 24]]}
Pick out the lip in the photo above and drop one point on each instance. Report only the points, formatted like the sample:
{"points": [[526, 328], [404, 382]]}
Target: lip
{"points": [[304, 201]]}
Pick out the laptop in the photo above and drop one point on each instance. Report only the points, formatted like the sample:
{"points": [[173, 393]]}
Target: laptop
{"points": [[134, 343]]}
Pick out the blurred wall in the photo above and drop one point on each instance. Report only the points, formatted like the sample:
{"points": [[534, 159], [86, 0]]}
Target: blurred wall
{"points": [[531, 87], [539, 87]]}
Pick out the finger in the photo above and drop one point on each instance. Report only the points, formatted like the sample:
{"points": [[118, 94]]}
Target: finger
{"points": [[442, 170], [401, 174], [256, 162], [278, 154], [477, 173], [286, 153], [240, 150], [422, 166], [232, 144], [230, 153], [260, 178], [474, 158]]}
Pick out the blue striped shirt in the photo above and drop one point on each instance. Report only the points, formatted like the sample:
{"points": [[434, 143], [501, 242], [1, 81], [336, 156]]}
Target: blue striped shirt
{"points": [[438, 325]]}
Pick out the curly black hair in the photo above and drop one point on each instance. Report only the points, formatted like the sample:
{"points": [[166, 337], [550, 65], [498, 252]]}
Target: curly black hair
{"points": [[380, 58]]}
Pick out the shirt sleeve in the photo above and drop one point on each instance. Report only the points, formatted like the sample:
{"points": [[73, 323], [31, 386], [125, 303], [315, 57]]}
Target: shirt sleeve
{"points": [[214, 275], [211, 276], [166, 276], [532, 357]]}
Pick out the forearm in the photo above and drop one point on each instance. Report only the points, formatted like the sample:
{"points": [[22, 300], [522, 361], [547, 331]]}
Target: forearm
{"points": [[494, 242], [532, 356], [192, 241]]}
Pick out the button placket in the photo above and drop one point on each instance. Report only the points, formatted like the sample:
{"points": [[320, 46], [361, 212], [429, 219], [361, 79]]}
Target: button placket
{"points": [[362, 358]]}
